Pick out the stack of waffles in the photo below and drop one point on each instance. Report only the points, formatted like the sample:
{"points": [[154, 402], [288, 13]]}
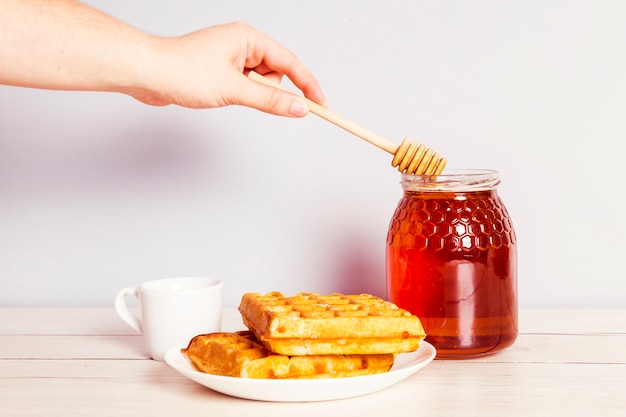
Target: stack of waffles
{"points": [[309, 336]]}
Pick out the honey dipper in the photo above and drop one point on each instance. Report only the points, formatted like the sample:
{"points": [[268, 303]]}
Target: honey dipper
{"points": [[409, 157]]}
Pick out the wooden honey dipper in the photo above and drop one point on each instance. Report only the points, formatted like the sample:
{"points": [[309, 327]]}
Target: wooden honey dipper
{"points": [[409, 157]]}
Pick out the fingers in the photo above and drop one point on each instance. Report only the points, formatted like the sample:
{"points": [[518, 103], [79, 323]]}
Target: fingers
{"points": [[269, 57], [306, 82]]}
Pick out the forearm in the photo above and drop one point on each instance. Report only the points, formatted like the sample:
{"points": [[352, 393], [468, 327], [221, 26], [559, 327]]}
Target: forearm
{"points": [[65, 45], [62, 44]]}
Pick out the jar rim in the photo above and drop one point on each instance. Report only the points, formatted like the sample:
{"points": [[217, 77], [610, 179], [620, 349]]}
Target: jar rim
{"points": [[452, 180]]}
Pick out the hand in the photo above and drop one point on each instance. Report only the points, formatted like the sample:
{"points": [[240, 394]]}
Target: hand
{"points": [[208, 68], [66, 45]]}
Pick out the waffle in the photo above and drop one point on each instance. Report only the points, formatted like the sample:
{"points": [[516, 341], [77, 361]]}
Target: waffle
{"points": [[313, 324], [239, 354]]}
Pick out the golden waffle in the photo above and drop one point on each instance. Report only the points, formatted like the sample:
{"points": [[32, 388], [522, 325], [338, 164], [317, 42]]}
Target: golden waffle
{"points": [[313, 324], [239, 354]]}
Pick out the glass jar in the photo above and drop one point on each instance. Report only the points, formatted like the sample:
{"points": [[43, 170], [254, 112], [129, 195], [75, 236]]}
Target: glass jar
{"points": [[452, 261]]}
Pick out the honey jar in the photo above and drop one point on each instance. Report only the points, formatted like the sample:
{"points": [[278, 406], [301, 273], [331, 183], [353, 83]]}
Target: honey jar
{"points": [[452, 261]]}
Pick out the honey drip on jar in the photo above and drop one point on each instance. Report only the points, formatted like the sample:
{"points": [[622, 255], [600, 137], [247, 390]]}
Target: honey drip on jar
{"points": [[452, 261]]}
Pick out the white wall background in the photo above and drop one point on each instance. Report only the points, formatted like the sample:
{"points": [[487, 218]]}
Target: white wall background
{"points": [[99, 192]]}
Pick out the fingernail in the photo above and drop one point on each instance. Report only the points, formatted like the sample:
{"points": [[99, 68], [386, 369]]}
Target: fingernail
{"points": [[299, 108]]}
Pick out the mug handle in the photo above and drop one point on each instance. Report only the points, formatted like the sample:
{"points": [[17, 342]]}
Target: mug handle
{"points": [[122, 308]]}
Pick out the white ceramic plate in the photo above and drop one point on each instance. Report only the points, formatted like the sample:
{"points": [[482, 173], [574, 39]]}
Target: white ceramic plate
{"points": [[299, 390]]}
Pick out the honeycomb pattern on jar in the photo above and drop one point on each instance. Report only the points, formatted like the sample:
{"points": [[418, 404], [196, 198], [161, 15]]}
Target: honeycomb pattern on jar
{"points": [[453, 225]]}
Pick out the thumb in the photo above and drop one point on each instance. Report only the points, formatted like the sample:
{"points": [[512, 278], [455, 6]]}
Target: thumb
{"points": [[270, 99]]}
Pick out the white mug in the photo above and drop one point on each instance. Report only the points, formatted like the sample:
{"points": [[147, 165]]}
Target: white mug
{"points": [[173, 310]]}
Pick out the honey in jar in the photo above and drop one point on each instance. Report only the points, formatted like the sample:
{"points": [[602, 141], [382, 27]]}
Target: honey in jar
{"points": [[452, 261]]}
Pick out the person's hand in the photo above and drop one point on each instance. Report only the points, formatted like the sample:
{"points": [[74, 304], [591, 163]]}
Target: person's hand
{"points": [[209, 68], [67, 45]]}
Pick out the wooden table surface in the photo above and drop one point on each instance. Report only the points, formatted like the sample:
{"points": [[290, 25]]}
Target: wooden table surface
{"points": [[87, 362]]}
